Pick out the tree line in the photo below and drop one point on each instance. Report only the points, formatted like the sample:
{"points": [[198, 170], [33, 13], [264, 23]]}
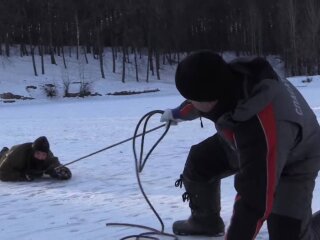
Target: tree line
{"points": [[162, 29]]}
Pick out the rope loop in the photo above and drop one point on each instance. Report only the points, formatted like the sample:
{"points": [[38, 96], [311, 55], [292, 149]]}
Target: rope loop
{"points": [[140, 162]]}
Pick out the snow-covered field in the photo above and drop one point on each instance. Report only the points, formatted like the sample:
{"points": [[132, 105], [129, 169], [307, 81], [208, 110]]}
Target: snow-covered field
{"points": [[104, 188]]}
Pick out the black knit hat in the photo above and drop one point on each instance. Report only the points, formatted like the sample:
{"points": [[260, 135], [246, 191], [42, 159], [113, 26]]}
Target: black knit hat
{"points": [[41, 144], [203, 76]]}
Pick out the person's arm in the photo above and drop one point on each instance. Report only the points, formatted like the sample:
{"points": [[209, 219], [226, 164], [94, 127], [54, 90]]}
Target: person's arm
{"points": [[184, 112], [56, 169]]}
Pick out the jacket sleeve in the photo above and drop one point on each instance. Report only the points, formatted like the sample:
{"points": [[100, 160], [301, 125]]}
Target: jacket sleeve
{"points": [[61, 173], [52, 163], [255, 183], [185, 112]]}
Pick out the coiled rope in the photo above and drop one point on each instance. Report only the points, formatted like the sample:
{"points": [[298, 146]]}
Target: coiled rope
{"points": [[139, 165]]}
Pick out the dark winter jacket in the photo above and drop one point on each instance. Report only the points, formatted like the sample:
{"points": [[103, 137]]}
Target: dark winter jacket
{"points": [[275, 135], [19, 162]]}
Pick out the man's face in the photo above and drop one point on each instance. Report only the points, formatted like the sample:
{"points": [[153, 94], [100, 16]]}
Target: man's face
{"points": [[40, 155], [204, 106]]}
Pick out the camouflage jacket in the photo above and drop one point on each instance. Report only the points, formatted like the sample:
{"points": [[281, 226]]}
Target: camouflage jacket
{"points": [[18, 162]]}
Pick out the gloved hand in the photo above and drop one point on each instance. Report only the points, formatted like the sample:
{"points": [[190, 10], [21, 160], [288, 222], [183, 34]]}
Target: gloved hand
{"points": [[61, 173], [168, 117]]}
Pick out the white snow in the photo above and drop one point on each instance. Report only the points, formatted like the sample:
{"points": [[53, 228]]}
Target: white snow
{"points": [[104, 188]]}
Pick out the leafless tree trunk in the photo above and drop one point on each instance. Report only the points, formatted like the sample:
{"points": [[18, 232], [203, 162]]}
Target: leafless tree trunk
{"points": [[42, 57], [77, 33], [292, 12], [32, 52], [7, 45], [33, 60], [148, 66], [41, 49], [312, 31], [63, 58], [100, 52], [123, 64], [254, 29], [49, 25], [113, 59], [157, 57], [85, 54], [136, 65], [150, 58]]}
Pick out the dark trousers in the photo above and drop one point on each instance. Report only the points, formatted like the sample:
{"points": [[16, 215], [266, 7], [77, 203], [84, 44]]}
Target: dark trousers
{"points": [[210, 160]]}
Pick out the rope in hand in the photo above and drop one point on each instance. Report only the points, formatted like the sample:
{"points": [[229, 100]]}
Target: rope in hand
{"points": [[139, 165]]}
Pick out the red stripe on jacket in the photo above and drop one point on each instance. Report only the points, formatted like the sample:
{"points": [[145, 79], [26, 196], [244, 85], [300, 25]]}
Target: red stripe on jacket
{"points": [[268, 123], [185, 110]]}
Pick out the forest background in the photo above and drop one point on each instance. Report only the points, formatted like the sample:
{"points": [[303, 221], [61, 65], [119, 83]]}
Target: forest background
{"points": [[162, 30]]}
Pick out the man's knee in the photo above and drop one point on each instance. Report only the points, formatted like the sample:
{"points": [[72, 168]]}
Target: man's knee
{"points": [[206, 161], [195, 165]]}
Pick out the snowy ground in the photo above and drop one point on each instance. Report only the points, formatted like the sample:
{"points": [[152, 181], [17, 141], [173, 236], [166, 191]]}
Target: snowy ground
{"points": [[104, 188]]}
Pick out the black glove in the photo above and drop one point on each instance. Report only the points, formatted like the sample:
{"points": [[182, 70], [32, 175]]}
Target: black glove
{"points": [[61, 173]]}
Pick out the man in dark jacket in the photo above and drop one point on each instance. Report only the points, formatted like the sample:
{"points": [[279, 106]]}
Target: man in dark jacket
{"points": [[266, 134], [27, 161]]}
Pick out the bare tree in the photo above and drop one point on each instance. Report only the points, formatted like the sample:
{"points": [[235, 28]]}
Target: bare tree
{"points": [[312, 29], [254, 29], [164, 29], [77, 33], [292, 24], [100, 49], [32, 52]]}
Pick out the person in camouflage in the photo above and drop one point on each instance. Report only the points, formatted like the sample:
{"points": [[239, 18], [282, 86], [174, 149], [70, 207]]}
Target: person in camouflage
{"points": [[267, 136], [27, 161]]}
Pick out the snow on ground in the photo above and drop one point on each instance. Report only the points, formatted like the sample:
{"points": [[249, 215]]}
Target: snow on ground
{"points": [[104, 188]]}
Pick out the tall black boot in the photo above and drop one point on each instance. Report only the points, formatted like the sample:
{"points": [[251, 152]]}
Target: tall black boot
{"points": [[204, 202], [315, 225]]}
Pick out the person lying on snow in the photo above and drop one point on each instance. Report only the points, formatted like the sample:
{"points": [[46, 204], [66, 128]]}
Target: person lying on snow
{"points": [[267, 136], [27, 161]]}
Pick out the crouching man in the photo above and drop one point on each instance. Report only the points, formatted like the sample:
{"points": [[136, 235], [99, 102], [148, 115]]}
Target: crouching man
{"points": [[27, 161]]}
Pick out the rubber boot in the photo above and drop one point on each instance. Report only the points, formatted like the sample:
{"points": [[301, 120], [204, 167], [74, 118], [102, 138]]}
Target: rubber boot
{"points": [[204, 202], [315, 225]]}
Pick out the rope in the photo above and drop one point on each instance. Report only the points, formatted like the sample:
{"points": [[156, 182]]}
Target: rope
{"points": [[139, 165], [111, 146]]}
